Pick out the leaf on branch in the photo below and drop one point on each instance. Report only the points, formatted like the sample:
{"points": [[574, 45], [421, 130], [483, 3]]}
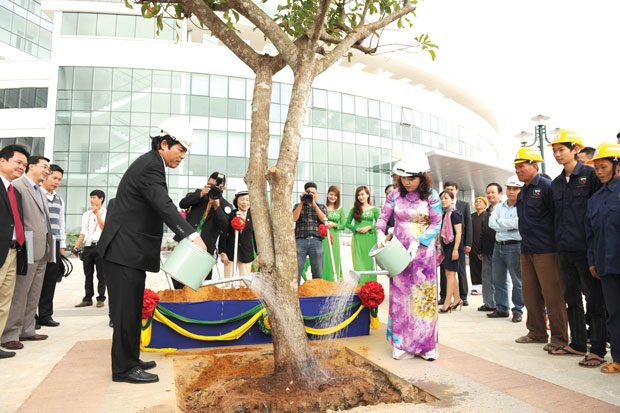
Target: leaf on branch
{"points": [[129, 6]]}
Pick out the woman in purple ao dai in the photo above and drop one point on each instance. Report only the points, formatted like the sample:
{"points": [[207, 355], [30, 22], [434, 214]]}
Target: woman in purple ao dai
{"points": [[412, 322]]}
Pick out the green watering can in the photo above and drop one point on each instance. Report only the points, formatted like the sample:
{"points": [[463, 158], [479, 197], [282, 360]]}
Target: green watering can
{"points": [[189, 264]]}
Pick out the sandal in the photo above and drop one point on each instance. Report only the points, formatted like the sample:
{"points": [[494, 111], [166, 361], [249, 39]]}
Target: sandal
{"points": [[566, 351], [591, 358], [552, 346], [526, 339], [611, 368]]}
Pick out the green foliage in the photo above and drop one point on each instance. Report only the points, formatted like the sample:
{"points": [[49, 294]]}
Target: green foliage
{"points": [[296, 17]]}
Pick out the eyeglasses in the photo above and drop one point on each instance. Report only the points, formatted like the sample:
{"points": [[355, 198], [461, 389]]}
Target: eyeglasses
{"points": [[44, 166]]}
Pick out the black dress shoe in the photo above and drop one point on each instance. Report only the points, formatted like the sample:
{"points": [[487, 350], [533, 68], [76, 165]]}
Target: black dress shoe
{"points": [[441, 301], [516, 317], [499, 314], [49, 323], [6, 354], [136, 375], [111, 324], [485, 307], [465, 303], [37, 326], [147, 365]]}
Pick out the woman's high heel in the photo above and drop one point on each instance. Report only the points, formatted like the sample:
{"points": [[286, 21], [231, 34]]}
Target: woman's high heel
{"points": [[459, 305], [447, 310]]}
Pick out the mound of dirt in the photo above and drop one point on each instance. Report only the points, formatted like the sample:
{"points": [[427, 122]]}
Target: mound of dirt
{"points": [[245, 382], [311, 288]]}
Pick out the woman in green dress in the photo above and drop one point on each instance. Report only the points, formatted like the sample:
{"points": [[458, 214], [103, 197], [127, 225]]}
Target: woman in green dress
{"points": [[362, 221], [335, 215]]}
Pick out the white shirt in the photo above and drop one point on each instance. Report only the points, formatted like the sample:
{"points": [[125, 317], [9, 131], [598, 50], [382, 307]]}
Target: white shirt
{"points": [[90, 225]]}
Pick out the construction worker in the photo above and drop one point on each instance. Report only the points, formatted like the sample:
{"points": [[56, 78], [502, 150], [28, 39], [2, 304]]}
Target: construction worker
{"points": [[571, 190], [540, 275], [602, 225]]}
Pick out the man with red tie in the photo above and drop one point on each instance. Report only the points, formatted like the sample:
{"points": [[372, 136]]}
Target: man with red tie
{"points": [[13, 162]]}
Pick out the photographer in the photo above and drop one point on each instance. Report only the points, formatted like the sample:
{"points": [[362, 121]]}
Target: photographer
{"points": [[209, 213], [308, 215]]}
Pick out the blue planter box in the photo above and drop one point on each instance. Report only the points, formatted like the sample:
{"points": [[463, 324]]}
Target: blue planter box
{"points": [[164, 337]]}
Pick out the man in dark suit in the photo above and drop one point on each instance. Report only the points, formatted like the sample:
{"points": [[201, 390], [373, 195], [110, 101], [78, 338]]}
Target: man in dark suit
{"points": [[209, 214], [131, 242], [463, 208], [13, 260]]}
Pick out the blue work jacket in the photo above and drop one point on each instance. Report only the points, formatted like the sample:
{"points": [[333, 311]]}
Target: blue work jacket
{"points": [[602, 226], [535, 211], [570, 201]]}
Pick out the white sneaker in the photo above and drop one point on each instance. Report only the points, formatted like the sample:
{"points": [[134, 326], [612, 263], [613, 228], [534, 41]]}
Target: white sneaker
{"points": [[401, 354]]}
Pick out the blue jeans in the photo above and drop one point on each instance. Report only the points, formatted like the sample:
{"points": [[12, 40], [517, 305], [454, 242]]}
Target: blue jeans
{"points": [[488, 290], [506, 259], [313, 248]]}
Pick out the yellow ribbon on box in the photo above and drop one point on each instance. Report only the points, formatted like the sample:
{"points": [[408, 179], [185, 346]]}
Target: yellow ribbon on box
{"points": [[145, 336]]}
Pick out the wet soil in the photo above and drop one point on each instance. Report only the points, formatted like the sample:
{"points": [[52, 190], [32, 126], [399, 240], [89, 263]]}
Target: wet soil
{"points": [[245, 382], [311, 288]]}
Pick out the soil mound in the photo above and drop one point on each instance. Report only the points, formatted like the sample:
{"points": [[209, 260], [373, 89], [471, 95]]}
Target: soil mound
{"points": [[311, 288], [246, 383]]}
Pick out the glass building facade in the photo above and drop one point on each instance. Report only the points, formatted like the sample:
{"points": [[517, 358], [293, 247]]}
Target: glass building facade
{"points": [[104, 117], [24, 27]]}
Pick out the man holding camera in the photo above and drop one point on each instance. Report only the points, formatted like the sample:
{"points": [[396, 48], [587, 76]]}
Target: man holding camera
{"points": [[209, 212], [308, 215]]}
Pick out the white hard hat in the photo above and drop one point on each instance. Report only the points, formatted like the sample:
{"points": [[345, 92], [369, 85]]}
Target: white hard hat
{"points": [[178, 129], [414, 163], [395, 167], [514, 181]]}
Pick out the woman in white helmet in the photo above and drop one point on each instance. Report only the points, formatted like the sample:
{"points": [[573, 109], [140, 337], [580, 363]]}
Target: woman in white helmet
{"points": [[412, 323]]}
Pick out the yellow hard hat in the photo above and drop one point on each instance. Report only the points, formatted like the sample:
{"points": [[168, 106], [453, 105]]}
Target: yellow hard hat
{"points": [[566, 136], [606, 150], [526, 154]]}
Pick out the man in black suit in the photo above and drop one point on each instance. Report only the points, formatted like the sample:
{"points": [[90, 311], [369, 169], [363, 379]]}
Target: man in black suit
{"points": [[463, 208], [13, 259], [209, 214], [131, 242]]}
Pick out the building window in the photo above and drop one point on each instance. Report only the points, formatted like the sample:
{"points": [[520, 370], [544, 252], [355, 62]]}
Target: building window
{"points": [[23, 98]]}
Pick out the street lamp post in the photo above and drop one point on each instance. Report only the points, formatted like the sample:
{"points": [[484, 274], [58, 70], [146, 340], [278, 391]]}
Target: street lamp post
{"points": [[541, 136]]}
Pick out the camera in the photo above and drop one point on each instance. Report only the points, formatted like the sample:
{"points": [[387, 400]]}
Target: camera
{"points": [[307, 198], [215, 192]]}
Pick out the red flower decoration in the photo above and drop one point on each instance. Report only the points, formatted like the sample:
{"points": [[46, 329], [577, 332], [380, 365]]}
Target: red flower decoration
{"points": [[149, 303], [323, 230], [371, 294], [237, 223]]}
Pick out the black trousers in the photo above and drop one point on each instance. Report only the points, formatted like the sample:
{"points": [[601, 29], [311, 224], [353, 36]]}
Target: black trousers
{"points": [[611, 291], [462, 277], [576, 278], [475, 268], [126, 291], [91, 260], [46, 305]]}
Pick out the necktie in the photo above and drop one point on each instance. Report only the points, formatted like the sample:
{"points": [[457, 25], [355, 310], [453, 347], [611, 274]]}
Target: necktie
{"points": [[19, 228]]}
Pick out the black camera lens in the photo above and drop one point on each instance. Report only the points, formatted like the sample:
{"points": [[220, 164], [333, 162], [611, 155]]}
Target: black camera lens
{"points": [[307, 197], [215, 192]]}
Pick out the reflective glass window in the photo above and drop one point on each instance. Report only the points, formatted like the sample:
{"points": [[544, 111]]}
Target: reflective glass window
{"points": [[218, 107], [236, 88], [161, 81], [145, 28], [319, 118], [102, 78], [217, 143], [334, 120], [83, 78], [219, 86], [199, 106], [69, 24], [106, 25], [141, 80], [125, 26], [87, 24], [236, 144], [348, 122], [27, 97], [236, 109], [348, 104]]}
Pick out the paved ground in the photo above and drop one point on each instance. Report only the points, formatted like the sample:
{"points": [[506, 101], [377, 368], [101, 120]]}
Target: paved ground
{"points": [[480, 367]]}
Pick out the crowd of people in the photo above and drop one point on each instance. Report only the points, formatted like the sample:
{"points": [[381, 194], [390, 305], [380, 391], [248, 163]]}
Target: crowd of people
{"points": [[547, 246]]}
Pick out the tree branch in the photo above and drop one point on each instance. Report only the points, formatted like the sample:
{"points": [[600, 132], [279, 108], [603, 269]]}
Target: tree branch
{"points": [[270, 28], [360, 33], [319, 20], [224, 33], [334, 40]]}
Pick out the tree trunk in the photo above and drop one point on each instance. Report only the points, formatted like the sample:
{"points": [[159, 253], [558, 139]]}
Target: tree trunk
{"points": [[275, 233]]}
